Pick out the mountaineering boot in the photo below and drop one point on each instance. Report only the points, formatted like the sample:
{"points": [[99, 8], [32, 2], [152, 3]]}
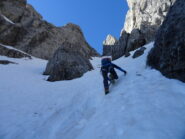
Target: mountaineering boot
{"points": [[106, 91], [111, 77]]}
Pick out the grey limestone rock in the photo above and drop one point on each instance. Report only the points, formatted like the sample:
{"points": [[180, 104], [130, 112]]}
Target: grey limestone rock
{"points": [[141, 24], [67, 63], [110, 40], [127, 54], [4, 51], [65, 47], [139, 52], [145, 16], [168, 54], [115, 48], [109, 45], [31, 34], [135, 40]]}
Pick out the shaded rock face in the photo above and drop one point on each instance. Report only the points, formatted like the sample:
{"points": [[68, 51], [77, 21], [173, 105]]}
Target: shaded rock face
{"points": [[141, 24], [139, 52], [4, 51], [168, 54], [116, 48], [135, 40], [30, 33], [110, 45], [67, 63], [127, 54]]}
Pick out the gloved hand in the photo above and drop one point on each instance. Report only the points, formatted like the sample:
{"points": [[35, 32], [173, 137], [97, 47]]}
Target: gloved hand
{"points": [[125, 73]]}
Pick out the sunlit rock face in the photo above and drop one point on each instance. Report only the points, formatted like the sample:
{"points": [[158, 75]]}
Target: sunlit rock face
{"points": [[142, 21], [27, 31], [65, 47], [147, 16], [110, 40]]}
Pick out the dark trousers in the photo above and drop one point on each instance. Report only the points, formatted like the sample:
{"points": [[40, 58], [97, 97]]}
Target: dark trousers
{"points": [[105, 73]]}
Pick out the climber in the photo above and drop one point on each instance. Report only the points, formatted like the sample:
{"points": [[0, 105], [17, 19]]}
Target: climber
{"points": [[108, 72]]}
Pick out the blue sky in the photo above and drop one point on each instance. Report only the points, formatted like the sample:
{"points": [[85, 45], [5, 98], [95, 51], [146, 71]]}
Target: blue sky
{"points": [[97, 18]]}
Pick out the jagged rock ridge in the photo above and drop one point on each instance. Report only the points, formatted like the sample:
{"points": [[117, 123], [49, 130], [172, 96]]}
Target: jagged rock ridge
{"points": [[32, 34], [23, 28], [142, 22]]}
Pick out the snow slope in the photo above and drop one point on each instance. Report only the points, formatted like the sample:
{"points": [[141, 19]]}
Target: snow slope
{"points": [[142, 105]]}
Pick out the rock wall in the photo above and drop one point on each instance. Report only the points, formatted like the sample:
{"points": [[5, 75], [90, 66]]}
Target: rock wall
{"points": [[141, 24], [168, 54], [27, 31], [13, 53], [116, 48], [147, 16], [67, 63], [65, 47]]}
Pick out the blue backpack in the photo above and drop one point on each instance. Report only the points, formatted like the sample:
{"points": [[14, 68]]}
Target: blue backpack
{"points": [[105, 62]]}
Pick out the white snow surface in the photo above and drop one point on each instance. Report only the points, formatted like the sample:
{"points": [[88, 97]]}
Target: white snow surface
{"points": [[142, 105]]}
